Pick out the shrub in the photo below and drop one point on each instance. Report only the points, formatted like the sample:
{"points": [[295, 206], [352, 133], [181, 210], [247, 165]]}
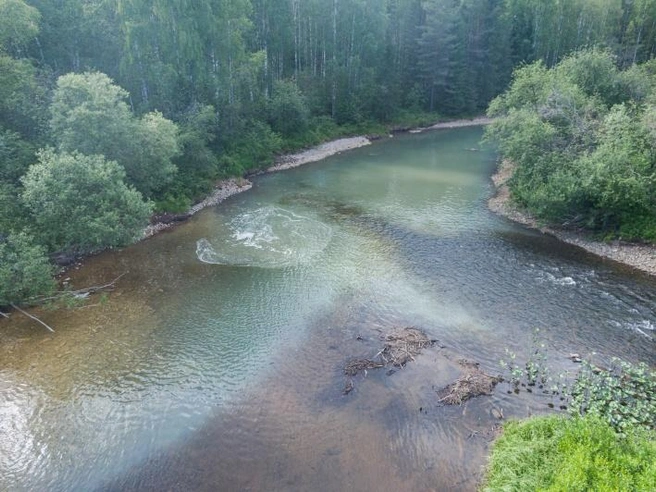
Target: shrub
{"points": [[24, 269], [288, 110], [81, 204]]}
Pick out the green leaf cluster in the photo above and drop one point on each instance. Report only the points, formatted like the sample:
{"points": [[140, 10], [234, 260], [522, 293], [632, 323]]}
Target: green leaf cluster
{"points": [[89, 115], [624, 396]]}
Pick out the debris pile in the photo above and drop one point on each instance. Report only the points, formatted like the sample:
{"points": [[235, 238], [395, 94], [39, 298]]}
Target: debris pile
{"points": [[400, 347], [471, 384]]}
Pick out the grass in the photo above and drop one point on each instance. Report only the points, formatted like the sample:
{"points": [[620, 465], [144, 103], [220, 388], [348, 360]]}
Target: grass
{"points": [[571, 454]]}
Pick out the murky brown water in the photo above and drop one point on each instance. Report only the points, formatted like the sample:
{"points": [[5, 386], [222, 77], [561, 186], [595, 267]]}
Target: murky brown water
{"points": [[225, 374]]}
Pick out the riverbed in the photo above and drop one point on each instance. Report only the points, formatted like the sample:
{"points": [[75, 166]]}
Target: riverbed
{"points": [[217, 363]]}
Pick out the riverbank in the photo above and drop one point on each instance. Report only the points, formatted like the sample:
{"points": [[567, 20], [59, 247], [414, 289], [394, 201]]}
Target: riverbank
{"points": [[229, 187], [223, 189], [638, 256], [318, 153], [478, 121]]}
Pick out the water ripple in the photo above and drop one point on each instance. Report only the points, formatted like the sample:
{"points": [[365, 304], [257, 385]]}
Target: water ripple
{"points": [[267, 237]]}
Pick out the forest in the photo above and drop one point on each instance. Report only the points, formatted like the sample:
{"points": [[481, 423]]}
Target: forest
{"points": [[113, 109]]}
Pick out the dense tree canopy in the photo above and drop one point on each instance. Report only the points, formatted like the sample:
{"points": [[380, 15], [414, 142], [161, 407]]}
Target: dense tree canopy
{"points": [[25, 271], [581, 136], [89, 115], [178, 94]]}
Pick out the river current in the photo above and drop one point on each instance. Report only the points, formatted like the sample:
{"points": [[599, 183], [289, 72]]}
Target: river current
{"points": [[217, 363]]}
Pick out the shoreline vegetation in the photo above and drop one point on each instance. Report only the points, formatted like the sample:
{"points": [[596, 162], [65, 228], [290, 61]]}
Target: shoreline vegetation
{"points": [[580, 135], [639, 256], [226, 188]]}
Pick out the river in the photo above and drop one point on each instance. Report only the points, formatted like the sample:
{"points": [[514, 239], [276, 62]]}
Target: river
{"points": [[217, 362]]}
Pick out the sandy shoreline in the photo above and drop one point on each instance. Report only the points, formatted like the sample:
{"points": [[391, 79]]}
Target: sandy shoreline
{"points": [[639, 256], [318, 153], [478, 121]]}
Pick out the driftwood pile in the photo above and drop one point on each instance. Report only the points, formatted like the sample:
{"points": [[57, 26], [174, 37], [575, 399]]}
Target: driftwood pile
{"points": [[471, 384], [399, 348]]}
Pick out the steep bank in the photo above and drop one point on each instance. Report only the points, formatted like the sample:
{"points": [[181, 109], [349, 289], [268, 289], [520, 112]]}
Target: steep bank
{"points": [[639, 256]]}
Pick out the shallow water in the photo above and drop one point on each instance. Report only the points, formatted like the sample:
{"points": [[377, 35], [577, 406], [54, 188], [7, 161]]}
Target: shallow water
{"points": [[217, 362]]}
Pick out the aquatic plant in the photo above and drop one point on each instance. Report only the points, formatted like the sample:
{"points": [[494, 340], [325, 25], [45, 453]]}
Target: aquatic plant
{"points": [[623, 394]]}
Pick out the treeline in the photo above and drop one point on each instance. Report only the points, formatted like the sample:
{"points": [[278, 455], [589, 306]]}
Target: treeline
{"points": [[582, 136], [110, 109]]}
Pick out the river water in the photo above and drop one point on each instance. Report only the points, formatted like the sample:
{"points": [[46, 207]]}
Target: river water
{"points": [[217, 362]]}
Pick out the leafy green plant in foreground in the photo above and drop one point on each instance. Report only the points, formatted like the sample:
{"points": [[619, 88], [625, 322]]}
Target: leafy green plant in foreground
{"points": [[609, 443], [623, 395]]}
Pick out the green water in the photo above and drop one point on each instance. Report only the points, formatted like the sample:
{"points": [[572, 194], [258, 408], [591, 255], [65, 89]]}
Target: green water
{"points": [[217, 362]]}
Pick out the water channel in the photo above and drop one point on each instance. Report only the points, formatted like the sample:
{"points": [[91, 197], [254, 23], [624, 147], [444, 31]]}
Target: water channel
{"points": [[217, 362]]}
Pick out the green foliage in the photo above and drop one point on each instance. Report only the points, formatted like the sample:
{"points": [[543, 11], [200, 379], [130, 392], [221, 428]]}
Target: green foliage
{"points": [[89, 115], [595, 73], [198, 129], [255, 149], [22, 98], [530, 86], [19, 24], [583, 149], [25, 271], [624, 395], [13, 216], [576, 454], [81, 204], [153, 146], [288, 110], [16, 155], [176, 204]]}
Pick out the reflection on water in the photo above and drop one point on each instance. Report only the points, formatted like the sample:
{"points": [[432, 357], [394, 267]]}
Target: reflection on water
{"points": [[217, 362]]}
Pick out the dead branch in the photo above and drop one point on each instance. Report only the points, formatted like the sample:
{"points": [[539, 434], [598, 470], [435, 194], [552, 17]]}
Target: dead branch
{"points": [[4, 314], [96, 288], [400, 347], [80, 293], [31, 317]]}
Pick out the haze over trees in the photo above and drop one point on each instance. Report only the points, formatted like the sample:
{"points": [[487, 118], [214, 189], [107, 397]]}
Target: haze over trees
{"points": [[157, 99]]}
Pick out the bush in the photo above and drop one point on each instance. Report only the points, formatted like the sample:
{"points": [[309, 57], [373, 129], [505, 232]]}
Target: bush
{"points": [[81, 204], [256, 147], [581, 137], [90, 115], [557, 453], [24, 270]]}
